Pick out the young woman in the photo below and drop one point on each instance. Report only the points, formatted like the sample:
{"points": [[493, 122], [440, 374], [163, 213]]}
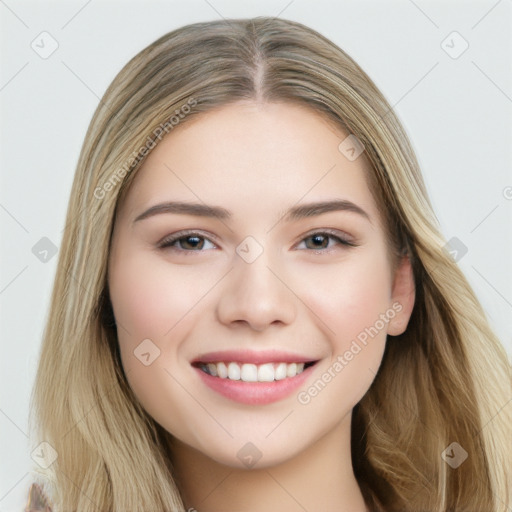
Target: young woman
{"points": [[253, 308]]}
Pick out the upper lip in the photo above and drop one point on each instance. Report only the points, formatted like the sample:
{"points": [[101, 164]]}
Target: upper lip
{"points": [[251, 356]]}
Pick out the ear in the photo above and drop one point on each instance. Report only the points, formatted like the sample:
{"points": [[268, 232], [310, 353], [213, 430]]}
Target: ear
{"points": [[403, 295]]}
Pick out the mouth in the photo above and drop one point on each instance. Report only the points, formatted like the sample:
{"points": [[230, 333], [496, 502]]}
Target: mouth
{"points": [[253, 378], [249, 372]]}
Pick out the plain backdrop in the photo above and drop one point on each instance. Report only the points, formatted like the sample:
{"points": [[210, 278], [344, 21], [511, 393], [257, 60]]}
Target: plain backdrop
{"points": [[455, 103]]}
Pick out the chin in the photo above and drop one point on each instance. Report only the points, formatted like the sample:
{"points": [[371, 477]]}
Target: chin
{"points": [[251, 453]]}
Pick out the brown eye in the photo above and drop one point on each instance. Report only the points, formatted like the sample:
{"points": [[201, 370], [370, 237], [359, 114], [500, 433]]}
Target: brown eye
{"points": [[193, 242], [322, 240], [318, 241]]}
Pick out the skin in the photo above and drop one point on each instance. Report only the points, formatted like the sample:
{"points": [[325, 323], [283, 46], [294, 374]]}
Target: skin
{"points": [[256, 160]]}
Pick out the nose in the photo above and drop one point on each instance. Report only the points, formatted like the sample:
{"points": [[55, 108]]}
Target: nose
{"points": [[256, 295]]}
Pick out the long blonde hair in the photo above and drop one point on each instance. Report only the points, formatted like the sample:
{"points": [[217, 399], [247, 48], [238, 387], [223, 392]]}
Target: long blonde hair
{"points": [[446, 379]]}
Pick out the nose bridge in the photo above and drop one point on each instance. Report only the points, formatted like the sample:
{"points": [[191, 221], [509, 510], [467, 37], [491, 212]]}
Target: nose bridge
{"points": [[255, 295], [252, 269]]}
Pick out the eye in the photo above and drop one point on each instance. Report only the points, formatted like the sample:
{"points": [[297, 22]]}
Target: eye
{"points": [[321, 240], [186, 242]]}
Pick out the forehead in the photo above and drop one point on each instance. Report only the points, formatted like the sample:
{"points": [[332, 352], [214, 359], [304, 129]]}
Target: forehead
{"points": [[252, 156]]}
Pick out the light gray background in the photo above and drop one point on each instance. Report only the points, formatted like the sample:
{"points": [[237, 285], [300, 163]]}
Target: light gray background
{"points": [[457, 112]]}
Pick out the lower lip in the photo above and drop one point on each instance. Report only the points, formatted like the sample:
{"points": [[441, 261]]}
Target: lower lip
{"points": [[255, 393]]}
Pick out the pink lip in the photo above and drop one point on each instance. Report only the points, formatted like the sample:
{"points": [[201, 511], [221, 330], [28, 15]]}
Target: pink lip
{"points": [[246, 356], [254, 393]]}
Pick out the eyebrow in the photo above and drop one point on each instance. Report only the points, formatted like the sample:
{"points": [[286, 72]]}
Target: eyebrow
{"points": [[295, 213]]}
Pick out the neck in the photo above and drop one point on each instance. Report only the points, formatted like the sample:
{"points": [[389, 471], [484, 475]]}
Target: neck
{"points": [[319, 478]]}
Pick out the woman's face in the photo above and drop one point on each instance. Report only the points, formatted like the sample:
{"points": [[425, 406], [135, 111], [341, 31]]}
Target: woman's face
{"points": [[249, 245]]}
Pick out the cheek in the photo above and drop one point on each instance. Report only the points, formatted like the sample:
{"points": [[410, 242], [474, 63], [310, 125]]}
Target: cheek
{"points": [[147, 304], [150, 297], [350, 296], [349, 305], [154, 309]]}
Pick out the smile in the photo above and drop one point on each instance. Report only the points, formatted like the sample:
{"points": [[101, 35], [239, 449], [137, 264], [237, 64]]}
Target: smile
{"points": [[253, 377], [247, 372]]}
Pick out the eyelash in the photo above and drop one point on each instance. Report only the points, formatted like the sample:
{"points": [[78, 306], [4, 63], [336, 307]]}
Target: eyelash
{"points": [[167, 243]]}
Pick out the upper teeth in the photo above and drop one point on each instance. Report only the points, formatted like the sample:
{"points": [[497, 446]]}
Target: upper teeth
{"points": [[247, 372]]}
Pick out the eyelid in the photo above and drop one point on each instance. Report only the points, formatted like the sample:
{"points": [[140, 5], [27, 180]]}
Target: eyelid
{"points": [[335, 233], [174, 237], [342, 237]]}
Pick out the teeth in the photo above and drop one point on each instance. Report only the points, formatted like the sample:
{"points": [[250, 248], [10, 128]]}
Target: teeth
{"points": [[249, 373], [280, 371], [267, 372], [222, 370], [291, 370], [234, 371], [212, 368]]}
